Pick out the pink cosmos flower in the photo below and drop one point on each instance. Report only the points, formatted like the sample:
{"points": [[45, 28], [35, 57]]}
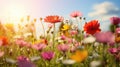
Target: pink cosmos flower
{"points": [[115, 20], [63, 47], [73, 32], [48, 55], [39, 46], [24, 62], [117, 30], [22, 43], [63, 37], [113, 50], [1, 53], [105, 37], [76, 14]]}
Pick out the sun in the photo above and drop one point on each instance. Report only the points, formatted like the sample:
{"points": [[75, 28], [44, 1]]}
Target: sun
{"points": [[16, 13]]}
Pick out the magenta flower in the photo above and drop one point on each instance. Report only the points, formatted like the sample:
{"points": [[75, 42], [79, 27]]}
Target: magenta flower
{"points": [[113, 50], [76, 14], [115, 20], [48, 55], [117, 30], [39, 46], [105, 37], [24, 62], [63, 47]]}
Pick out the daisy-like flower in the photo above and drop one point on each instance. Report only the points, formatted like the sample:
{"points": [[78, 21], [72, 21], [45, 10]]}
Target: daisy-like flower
{"points": [[92, 27], [63, 47], [48, 55], [104, 37], [3, 40], [89, 39], [115, 20], [39, 46], [24, 62], [76, 14], [79, 55], [113, 50], [65, 27], [53, 19]]}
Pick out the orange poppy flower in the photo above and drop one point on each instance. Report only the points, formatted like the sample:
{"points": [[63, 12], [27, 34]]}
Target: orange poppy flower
{"points": [[92, 27], [3, 39], [53, 19], [80, 55]]}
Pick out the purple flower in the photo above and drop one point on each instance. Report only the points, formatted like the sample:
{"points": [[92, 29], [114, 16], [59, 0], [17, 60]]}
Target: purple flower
{"points": [[24, 62], [48, 55], [113, 50], [115, 20], [105, 37], [39, 46], [63, 47]]}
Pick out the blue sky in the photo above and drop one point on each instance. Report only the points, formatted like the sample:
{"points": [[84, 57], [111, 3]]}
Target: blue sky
{"points": [[92, 9]]}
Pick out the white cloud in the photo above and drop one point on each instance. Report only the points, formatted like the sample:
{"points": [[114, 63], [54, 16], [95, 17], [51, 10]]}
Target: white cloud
{"points": [[104, 11]]}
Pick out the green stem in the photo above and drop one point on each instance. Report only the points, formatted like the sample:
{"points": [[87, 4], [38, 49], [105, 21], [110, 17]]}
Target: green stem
{"points": [[43, 28], [53, 36]]}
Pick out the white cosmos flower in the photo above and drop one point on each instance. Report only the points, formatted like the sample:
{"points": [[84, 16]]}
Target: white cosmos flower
{"points": [[68, 61], [95, 63], [9, 60], [89, 39], [35, 58]]}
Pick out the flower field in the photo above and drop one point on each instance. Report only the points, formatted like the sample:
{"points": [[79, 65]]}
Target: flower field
{"points": [[72, 45]]}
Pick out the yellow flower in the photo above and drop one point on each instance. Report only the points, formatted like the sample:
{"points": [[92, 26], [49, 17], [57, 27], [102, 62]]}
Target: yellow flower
{"points": [[10, 26], [79, 56], [65, 27]]}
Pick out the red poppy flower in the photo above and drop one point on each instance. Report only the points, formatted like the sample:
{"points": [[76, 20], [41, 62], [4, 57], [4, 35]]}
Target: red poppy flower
{"points": [[92, 27], [3, 40], [53, 19]]}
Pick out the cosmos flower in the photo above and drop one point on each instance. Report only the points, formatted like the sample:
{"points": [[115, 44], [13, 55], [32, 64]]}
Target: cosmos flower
{"points": [[95, 63], [76, 14], [89, 39], [48, 55], [113, 50], [65, 27], [63, 47], [24, 62], [79, 55], [3, 40], [53, 19], [115, 20], [73, 32], [104, 37], [39, 46], [92, 27], [68, 61]]}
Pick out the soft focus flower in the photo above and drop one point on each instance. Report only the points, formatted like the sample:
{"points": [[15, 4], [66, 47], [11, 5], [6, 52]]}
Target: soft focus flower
{"points": [[73, 32], [113, 50], [115, 20], [66, 27], [50, 25], [1, 53], [63, 37], [22, 43], [117, 35], [89, 39], [35, 58], [10, 26], [39, 46], [76, 14], [95, 64], [53, 19], [9, 60], [92, 27], [80, 55], [104, 37], [48, 55], [3, 40], [24, 62], [68, 61], [117, 30], [63, 47]]}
